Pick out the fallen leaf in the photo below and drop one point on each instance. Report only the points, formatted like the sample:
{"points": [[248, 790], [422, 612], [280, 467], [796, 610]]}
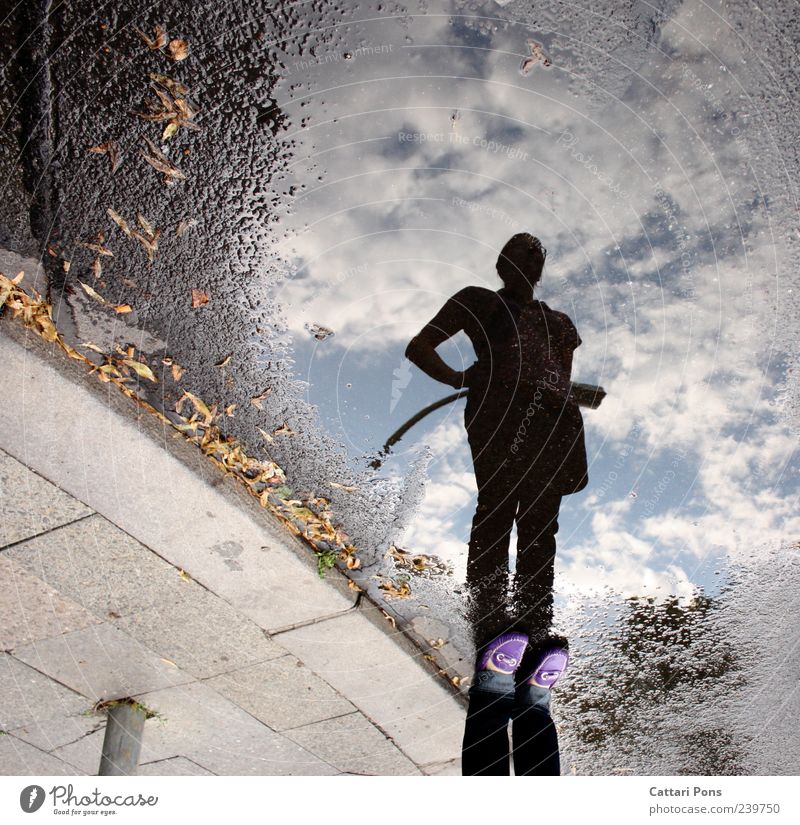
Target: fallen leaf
{"points": [[98, 248], [229, 410], [158, 42], [161, 163], [184, 575], [177, 372], [184, 226], [225, 361], [175, 87], [147, 226], [178, 49], [346, 487], [92, 294], [256, 401], [200, 406], [284, 429], [389, 618], [150, 244], [122, 309], [198, 298], [111, 149], [142, 370], [92, 346], [267, 436]]}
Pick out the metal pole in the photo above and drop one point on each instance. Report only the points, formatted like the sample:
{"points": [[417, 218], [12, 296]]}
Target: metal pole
{"points": [[123, 740]]}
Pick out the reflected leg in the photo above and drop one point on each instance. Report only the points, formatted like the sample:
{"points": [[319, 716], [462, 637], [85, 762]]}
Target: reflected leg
{"points": [[487, 560], [537, 525], [485, 749], [535, 741]]}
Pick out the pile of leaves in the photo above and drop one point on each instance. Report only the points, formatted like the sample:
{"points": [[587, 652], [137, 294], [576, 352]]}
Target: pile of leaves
{"points": [[309, 518]]}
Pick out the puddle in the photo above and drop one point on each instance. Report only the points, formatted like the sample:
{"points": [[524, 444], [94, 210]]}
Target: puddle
{"points": [[350, 173]]}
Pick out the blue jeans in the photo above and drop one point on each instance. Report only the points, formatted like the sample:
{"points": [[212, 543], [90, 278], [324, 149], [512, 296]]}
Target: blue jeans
{"points": [[494, 701]]}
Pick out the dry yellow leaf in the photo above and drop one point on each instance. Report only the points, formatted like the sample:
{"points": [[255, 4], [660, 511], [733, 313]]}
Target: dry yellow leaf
{"points": [[184, 226], [200, 406], [147, 226], [98, 248], [178, 49], [177, 372], [175, 86], [142, 370], [92, 294], [198, 298], [158, 42], [122, 309], [119, 221], [346, 487], [225, 361], [111, 149]]}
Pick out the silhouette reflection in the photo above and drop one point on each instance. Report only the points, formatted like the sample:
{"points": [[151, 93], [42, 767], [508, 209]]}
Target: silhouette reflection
{"points": [[525, 433]]}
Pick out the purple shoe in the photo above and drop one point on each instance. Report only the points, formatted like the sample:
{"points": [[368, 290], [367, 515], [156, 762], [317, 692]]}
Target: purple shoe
{"points": [[504, 653], [552, 663]]}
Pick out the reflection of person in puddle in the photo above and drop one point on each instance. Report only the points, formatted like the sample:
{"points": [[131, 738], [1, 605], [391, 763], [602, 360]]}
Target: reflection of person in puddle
{"points": [[526, 438]]}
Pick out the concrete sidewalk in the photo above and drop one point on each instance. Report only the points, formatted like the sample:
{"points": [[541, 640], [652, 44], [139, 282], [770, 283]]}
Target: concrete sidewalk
{"points": [[132, 567]]}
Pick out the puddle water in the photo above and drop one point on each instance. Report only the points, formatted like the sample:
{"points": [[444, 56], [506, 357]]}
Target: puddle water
{"points": [[359, 164]]}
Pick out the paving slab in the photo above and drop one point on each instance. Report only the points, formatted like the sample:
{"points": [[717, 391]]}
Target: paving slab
{"points": [[384, 682], [101, 662], [122, 581], [354, 745], [27, 696], [84, 753], [182, 509], [201, 633], [282, 693], [213, 732], [175, 766], [50, 734], [100, 566], [18, 758], [29, 504], [31, 610]]}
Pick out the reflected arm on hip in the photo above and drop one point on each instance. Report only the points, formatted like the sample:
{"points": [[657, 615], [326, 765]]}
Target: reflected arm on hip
{"points": [[421, 350]]}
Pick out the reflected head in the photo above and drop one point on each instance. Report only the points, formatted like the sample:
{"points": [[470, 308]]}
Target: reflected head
{"points": [[521, 259]]}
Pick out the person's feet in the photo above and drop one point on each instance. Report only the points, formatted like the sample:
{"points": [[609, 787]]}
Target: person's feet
{"points": [[503, 654], [548, 666]]}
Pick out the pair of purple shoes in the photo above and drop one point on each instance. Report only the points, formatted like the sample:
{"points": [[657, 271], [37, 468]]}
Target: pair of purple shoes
{"points": [[504, 655]]}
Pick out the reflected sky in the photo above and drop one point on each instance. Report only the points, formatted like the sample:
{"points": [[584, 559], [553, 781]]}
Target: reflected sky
{"points": [[428, 140]]}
